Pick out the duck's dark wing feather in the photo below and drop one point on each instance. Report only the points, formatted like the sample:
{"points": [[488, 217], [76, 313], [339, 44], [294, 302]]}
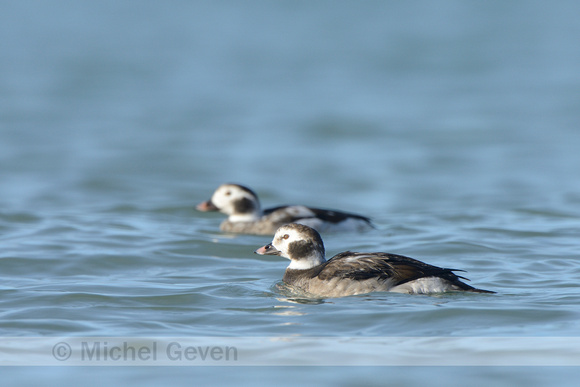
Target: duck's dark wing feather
{"points": [[397, 268], [337, 216], [293, 213]]}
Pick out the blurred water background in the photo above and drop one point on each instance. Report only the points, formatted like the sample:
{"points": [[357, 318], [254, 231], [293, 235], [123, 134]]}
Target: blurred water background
{"points": [[454, 125]]}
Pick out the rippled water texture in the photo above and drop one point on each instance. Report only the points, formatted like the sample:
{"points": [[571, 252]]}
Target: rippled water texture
{"points": [[453, 125]]}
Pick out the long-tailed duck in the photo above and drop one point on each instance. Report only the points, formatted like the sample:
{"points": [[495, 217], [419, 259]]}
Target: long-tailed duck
{"points": [[351, 273], [245, 215]]}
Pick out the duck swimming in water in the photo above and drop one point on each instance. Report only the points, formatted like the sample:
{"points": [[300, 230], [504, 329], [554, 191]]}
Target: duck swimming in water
{"points": [[245, 215], [351, 273]]}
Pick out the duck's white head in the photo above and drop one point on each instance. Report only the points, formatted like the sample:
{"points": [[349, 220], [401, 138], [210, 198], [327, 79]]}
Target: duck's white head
{"points": [[240, 203], [301, 244]]}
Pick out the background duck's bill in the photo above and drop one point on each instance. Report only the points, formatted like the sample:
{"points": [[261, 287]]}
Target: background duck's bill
{"points": [[206, 206]]}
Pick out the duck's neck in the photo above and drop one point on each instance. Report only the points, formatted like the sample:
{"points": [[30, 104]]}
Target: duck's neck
{"points": [[307, 262], [244, 210], [248, 217]]}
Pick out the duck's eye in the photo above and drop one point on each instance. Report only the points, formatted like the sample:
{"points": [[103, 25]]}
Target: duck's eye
{"points": [[228, 193], [286, 236]]}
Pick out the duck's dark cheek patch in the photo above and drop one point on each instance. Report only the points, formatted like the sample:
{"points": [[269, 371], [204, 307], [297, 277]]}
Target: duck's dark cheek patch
{"points": [[300, 249], [243, 206]]}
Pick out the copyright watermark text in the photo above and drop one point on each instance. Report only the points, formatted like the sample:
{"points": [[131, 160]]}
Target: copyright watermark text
{"points": [[289, 351], [126, 351]]}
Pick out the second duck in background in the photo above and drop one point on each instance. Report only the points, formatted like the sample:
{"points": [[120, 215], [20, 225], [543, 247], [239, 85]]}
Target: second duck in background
{"points": [[246, 216]]}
